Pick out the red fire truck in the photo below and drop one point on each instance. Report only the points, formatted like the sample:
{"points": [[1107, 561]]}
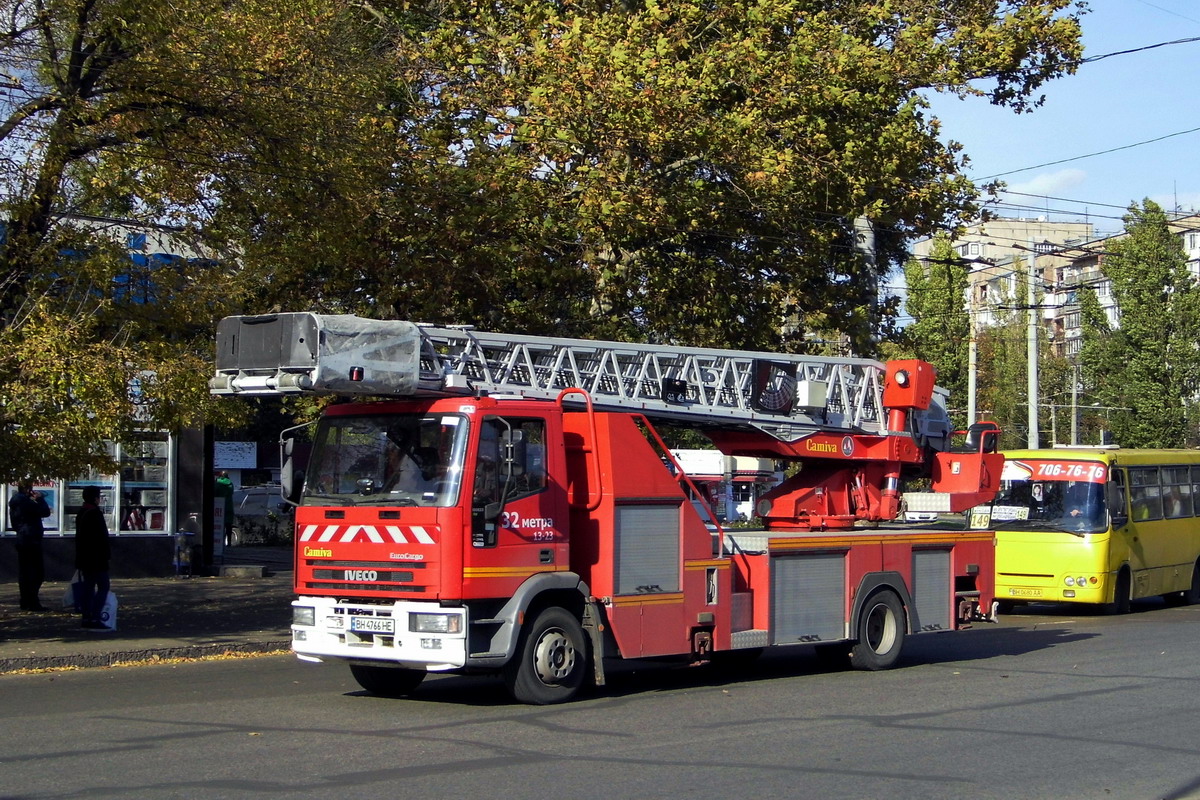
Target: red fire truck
{"points": [[483, 502]]}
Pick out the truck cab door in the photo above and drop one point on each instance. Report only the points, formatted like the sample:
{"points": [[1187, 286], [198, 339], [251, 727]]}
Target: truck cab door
{"points": [[518, 514]]}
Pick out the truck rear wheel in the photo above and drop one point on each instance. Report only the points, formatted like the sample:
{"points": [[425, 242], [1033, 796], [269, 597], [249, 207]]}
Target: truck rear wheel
{"points": [[387, 681], [880, 632], [551, 659]]}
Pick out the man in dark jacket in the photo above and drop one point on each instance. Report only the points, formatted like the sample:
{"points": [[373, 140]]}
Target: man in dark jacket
{"points": [[91, 558], [26, 510]]}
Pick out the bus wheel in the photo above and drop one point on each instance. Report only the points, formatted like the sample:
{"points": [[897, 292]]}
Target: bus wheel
{"points": [[387, 681], [1121, 594], [551, 660], [1192, 596], [880, 632]]}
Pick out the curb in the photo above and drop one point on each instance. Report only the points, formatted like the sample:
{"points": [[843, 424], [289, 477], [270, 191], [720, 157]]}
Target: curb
{"points": [[139, 657]]}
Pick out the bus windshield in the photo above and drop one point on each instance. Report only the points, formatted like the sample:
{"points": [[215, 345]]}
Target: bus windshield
{"points": [[1056, 497], [387, 460]]}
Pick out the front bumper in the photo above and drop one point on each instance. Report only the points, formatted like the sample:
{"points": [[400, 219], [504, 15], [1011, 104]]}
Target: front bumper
{"points": [[324, 627]]}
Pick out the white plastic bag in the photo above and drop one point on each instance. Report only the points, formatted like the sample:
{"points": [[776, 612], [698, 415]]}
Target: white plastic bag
{"points": [[70, 598], [108, 614]]}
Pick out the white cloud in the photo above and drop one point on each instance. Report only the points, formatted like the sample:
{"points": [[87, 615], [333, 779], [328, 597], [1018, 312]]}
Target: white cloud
{"points": [[1053, 184]]}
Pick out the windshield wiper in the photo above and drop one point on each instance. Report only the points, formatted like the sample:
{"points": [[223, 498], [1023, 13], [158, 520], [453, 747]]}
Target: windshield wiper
{"points": [[312, 496], [1074, 531], [1039, 525]]}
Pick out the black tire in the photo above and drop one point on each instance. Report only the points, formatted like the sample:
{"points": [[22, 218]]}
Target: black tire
{"points": [[235, 537], [1005, 606], [1121, 594], [881, 627], [551, 661], [1192, 596], [387, 681]]}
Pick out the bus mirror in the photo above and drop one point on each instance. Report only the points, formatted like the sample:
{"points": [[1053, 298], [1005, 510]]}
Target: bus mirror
{"points": [[1115, 500]]}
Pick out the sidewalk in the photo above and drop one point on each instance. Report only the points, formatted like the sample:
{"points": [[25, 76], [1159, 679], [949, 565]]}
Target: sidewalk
{"points": [[157, 618]]}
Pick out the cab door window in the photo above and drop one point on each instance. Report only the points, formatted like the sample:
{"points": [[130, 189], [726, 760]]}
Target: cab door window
{"points": [[510, 465], [512, 459]]}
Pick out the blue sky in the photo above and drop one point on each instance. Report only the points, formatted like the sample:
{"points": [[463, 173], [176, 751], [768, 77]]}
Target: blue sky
{"points": [[1109, 104]]}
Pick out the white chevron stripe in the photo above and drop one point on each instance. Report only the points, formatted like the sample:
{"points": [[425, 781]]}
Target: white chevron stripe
{"points": [[352, 533]]}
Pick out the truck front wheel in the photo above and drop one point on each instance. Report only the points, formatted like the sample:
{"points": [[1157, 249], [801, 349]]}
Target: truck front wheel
{"points": [[551, 660], [880, 632], [387, 681]]}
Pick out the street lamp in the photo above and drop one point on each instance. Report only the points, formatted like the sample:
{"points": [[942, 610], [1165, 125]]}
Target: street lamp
{"points": [[1107, 418]]}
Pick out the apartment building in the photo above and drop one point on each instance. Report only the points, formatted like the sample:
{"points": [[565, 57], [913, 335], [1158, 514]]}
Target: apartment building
{"points": [[1085, 268]]}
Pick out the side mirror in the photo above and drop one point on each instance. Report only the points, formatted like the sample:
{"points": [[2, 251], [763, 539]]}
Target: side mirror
{"points": [[290, 479], [1115, 500], [292, 483]]}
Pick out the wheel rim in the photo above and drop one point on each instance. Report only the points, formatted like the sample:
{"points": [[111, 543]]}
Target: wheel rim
{"points": [[554, 656], [881, 629]]}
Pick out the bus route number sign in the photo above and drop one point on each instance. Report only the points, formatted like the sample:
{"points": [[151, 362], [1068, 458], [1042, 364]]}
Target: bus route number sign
{"points": [[1070, 471]]}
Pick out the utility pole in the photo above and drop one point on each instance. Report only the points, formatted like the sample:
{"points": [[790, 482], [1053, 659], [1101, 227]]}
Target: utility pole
{"points": [[1074, 404], [972, 357], [1032, 350]]}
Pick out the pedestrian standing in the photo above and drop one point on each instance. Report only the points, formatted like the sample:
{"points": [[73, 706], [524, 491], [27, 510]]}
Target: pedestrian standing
{"points": [[91, 558], [223, 490], [26, 510]]}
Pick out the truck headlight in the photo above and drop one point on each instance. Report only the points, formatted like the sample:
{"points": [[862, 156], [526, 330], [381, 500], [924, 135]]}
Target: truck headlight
{"points": [[304, 615], [424, 622]]}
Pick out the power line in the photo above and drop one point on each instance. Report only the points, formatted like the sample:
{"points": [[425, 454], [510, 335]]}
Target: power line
{"points": [[1092, 155], [1168, 11], [1093, 59]]}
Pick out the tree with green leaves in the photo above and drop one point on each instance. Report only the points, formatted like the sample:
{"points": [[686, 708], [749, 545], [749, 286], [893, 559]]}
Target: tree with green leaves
{"points": [[685, 172], [202, 120], [1002, 358], [940, 332], [682, 172], [1146, 367]]}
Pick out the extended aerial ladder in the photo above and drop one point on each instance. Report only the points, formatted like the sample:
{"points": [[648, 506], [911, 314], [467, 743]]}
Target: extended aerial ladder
{"points": [[859, 425]]}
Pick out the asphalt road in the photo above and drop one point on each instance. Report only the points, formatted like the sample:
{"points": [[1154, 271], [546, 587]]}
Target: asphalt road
{"points": [[1044, 705]]}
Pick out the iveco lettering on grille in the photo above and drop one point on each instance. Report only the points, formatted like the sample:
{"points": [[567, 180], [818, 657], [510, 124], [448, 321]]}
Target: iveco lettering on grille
{"points": [[362, 575]]}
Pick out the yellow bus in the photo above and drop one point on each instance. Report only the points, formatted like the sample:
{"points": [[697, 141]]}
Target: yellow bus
{"points": [[1102, 525]]}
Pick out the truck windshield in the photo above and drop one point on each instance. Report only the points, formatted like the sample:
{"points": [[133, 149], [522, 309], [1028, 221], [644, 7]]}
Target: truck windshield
{"points": [[1060, 505], [387, 460]]}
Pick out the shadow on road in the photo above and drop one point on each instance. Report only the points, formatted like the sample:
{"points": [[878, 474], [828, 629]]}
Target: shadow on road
{"points": [[626, 678]]}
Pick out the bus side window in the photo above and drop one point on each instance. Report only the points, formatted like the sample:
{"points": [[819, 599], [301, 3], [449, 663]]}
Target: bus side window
{"points": [[1145, 494], [1196, 490], [1177, 492]]}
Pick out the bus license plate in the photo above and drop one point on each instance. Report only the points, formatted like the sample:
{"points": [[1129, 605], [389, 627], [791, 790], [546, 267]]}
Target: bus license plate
{"points": [[372, 625], [1024, 592]]}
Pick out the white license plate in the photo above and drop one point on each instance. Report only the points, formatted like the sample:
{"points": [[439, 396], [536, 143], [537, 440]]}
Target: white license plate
{"points": [[372, 625]]}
